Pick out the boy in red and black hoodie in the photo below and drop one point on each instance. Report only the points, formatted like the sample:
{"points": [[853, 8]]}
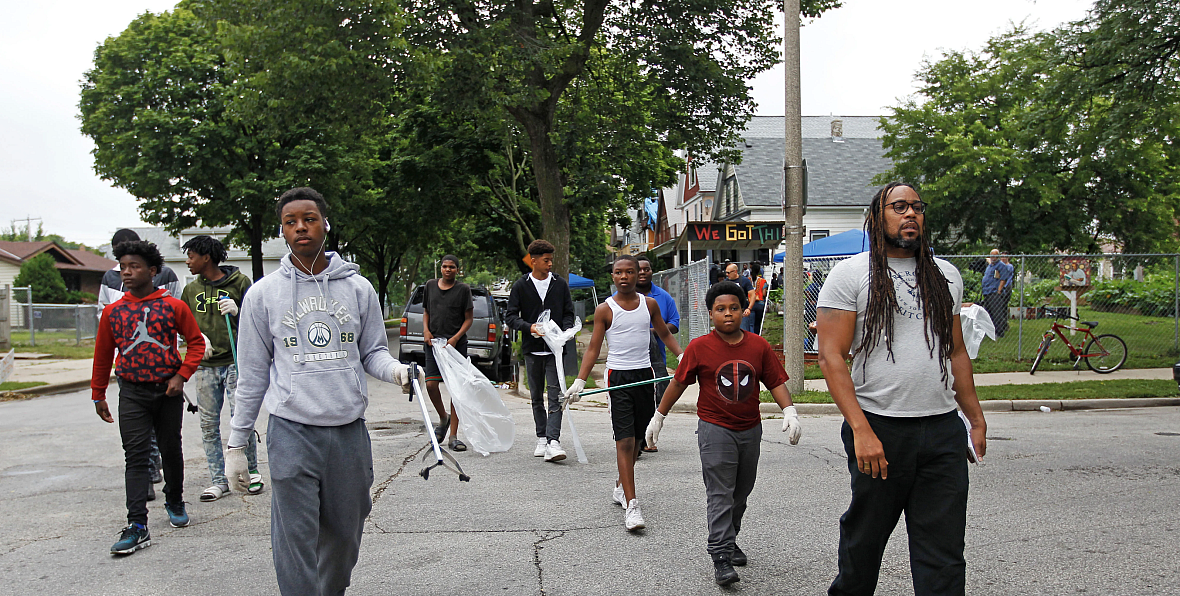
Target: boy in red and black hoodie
{"points": [[143, 325]]}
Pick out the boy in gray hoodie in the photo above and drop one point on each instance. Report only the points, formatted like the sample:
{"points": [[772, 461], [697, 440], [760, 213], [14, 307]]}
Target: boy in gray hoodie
{"points": [[308, 334]]}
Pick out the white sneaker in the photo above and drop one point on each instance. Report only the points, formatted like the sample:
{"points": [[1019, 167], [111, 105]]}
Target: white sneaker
{"points": [[634, 519], [541, 445], [619, 496], [554, 452]]}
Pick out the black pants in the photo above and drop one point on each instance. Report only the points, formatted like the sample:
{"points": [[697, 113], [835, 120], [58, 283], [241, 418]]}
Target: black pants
{"points": [[996, 306], [144, 407], [928, 481]]}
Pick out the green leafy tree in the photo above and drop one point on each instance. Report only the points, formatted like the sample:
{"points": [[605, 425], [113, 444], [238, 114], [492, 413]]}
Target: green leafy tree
{"points": [[689, 59], [210, 111], [41, 273], [1003, 161]]}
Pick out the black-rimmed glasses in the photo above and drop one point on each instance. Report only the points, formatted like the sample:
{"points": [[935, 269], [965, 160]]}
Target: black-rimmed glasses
{"points": [[900, 207]]}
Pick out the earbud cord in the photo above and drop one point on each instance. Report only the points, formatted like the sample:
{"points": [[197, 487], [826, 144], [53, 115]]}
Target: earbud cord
{"points": [[308, 270]]}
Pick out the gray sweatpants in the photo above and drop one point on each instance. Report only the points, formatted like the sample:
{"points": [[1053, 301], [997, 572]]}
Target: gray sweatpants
{"points": [[320, 479], [729, 463]]}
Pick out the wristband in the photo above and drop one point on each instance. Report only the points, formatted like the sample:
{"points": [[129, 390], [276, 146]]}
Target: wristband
{"points": [[98, 401]]}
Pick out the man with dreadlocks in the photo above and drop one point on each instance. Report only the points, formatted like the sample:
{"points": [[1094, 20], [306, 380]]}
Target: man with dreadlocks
{"points": [[896, 308]]}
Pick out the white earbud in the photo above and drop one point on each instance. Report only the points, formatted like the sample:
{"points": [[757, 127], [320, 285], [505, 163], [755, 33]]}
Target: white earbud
{"points": [[327, 226]]}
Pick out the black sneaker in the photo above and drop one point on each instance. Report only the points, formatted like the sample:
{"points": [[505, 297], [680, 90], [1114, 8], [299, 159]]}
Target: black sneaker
{"points": [[176, 514], [738, 558], [131, 539], [151, 496], [723, 571]]}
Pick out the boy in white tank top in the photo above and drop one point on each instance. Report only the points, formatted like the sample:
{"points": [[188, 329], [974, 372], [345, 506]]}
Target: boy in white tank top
{"points": [[623, 319]]}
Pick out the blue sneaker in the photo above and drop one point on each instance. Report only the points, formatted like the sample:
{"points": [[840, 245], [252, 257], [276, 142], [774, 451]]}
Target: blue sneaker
{"points": [[176, 515], [131, 539]]}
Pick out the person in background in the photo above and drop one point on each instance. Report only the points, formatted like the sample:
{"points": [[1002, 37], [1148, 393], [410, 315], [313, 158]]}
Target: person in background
{"points": [[997, 289], [671, 315]]}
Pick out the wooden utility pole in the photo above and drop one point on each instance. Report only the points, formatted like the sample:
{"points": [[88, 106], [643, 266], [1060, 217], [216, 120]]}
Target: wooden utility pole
{"points": [[793, 203]]}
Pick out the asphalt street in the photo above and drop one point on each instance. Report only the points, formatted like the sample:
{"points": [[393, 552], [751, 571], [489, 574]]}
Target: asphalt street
{"points": [[1065, 503]]}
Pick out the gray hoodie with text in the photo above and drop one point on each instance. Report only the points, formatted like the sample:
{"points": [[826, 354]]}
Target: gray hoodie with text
{"points": [[304, 346]]}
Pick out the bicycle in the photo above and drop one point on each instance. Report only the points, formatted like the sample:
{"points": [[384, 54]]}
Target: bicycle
{"points": [[1103, 354]]}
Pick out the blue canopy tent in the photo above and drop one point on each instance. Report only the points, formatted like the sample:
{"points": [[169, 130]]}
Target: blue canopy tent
{"points": [[841, 245], [577, 282]]}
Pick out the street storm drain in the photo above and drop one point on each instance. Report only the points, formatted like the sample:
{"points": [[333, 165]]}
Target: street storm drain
{"points": [[1168, 434], [391, 428]]}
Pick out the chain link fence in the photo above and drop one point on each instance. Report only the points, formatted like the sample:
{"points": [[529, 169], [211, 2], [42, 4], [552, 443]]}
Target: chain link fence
{"points": [[1133, 296], [31, 323], [687, 284]]}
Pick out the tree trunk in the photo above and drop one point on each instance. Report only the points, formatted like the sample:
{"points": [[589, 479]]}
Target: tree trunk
{"points": [[256, 247], [555, 216]]}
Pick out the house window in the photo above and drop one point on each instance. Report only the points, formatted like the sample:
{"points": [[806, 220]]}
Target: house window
{"points": [[817, 234]]}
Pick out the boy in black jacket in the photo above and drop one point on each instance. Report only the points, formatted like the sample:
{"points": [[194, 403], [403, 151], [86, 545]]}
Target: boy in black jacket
{"points": [[531, 295]]}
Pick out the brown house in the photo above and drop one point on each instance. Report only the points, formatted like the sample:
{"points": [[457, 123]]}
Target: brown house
{"points": [[82, 270]]}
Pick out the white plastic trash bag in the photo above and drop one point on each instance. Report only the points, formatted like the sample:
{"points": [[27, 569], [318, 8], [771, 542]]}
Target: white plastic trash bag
{"points": [[484, 419], [976, 325], [556, 339]]}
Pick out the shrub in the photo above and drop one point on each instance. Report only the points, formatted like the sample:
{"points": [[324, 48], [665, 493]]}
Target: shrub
{"points": [[40, 272]]}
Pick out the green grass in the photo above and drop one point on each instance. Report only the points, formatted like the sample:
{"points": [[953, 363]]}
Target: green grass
{"points": [[18, 385], [1150, 343], [1113, 389]]}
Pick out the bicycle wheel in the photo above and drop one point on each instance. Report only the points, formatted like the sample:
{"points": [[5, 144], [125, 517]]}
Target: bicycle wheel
{"points": [[1041, 351], [1109, 353]]}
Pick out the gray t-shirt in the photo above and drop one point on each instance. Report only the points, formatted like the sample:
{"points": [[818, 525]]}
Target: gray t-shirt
{"points": [[912, 384]]}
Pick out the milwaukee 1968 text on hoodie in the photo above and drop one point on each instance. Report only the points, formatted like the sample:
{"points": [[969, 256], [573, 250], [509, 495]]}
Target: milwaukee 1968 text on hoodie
{"points": [[304, 345]]}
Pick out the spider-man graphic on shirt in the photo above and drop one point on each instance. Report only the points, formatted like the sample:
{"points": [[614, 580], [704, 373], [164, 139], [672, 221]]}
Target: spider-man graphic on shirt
{"points": [[144, 331]]}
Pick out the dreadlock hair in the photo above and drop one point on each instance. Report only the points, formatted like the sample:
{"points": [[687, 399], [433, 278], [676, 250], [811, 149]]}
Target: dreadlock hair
{"points": [[145, 250], [207, 246], [934, 296]]}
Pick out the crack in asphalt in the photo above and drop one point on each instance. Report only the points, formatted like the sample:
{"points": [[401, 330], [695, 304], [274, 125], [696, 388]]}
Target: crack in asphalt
{"points": [[499, 531], [405, 462], [30, 541], [543, 537]]}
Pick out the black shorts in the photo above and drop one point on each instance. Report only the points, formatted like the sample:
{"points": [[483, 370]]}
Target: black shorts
{"points": [[631, 409], [432, 372]]}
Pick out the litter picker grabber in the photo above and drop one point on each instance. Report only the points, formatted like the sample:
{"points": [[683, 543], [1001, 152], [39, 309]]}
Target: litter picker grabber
{"points": [[442, 458], [628, 385]]}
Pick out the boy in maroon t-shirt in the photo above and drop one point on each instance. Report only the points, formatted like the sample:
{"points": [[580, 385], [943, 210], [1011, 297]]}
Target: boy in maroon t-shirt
{"points": [[729, 363]]}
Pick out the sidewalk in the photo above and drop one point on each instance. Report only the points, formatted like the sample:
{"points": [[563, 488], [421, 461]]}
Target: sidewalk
{"points": [[71, 375], [688, 401]]}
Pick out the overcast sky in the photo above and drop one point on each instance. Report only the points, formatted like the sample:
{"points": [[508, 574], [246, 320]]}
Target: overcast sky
{"points": [[856, 61]]}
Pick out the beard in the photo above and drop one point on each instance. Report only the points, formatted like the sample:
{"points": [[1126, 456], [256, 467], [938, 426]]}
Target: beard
{"points": [[896, 241]]}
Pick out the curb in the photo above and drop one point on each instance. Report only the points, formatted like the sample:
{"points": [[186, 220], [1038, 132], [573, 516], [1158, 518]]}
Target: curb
{"points": [[55, 388]]}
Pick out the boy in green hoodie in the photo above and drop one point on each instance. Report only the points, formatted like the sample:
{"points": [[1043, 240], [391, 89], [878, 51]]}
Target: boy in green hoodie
{"points": [[214, 298]]}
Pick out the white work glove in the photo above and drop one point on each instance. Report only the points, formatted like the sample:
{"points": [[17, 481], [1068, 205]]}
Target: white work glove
{"points": [[574, 393], [401, 376], [227, 306], [236, 470], [791, 425], [653, 429]]}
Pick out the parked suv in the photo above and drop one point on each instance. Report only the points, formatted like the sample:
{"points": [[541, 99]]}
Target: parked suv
{"points": [[487, 343]]}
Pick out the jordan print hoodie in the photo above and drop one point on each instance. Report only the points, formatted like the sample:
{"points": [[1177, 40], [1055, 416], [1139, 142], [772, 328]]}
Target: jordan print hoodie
{"points": [[144, 331], [304, 345]]}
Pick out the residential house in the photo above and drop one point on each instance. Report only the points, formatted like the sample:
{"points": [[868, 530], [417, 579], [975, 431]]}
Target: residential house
{"points": [[842, 156], [81, 269], [169, 245]]}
